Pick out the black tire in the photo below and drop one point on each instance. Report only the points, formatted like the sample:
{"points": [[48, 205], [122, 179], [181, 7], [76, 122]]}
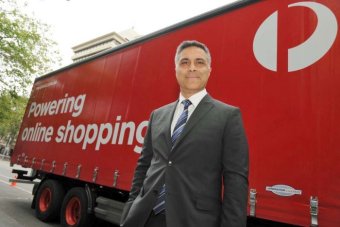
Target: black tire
{"points": [[48, 200], [74, 209]]}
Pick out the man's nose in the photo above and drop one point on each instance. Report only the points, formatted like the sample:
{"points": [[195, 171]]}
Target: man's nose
{"points": [[192, 67]]}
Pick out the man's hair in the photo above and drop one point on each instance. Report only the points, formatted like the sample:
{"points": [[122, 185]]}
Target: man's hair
{"points": [[192, 43]]}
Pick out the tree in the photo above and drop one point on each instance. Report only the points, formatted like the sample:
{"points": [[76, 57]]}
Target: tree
{"points": [[25, 52], [25, 49], [11, 112]]}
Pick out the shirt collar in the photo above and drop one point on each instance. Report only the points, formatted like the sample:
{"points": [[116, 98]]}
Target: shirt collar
{"points": [[194, 99]]}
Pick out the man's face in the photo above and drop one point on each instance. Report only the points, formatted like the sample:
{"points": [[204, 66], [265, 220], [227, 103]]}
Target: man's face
{"points": [[192, 71]]}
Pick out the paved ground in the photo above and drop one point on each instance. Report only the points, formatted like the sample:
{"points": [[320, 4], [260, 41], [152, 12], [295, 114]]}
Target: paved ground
{"points": [[15, 202]]}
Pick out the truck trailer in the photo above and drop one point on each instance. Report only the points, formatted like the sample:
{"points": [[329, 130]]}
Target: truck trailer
{"points": [[277, 60]]}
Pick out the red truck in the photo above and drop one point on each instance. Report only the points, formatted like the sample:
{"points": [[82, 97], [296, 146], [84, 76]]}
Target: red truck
{"points": [[278, 60]]}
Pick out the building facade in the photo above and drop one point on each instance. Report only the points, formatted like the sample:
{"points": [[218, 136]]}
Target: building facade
{"points": [[102, 43]]}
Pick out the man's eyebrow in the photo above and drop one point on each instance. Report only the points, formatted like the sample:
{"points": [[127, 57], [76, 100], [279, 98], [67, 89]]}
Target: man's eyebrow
{"points": [[186, 58], [200, 59]]}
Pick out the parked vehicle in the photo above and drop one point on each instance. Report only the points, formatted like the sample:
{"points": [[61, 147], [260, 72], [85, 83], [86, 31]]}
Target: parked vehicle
{"points": [[277, 60]]}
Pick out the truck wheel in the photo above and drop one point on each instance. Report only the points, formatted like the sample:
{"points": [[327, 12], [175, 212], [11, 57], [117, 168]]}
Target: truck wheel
{"points": [[74, 209], [48, 200]]}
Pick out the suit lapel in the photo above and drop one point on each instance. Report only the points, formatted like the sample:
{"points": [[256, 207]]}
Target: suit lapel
{"points": [[202, 109]]}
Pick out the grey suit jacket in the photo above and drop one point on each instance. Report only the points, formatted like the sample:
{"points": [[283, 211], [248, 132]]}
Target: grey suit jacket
{"points": [[206, 171]]}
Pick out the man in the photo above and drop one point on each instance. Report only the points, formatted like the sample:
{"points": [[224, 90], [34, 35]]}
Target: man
{"points": [[192, 148]]}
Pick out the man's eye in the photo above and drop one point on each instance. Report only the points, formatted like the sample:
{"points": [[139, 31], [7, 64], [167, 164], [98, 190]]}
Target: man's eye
{"points": [[184, 62], [200, 62]]}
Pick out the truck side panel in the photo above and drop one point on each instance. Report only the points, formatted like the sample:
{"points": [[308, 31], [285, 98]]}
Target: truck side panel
{"points": [[291, 116]]}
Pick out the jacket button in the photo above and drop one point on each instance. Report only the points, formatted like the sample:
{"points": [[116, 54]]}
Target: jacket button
{"points": [[170, 163]]}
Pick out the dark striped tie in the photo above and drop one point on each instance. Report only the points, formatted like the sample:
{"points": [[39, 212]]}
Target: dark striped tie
{"points": [[160, 203]]}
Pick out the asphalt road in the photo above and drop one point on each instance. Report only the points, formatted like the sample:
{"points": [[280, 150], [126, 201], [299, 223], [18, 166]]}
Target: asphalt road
{"points": [[15, 201]]}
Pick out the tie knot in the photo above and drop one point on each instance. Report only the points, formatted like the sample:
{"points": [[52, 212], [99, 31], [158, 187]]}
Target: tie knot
{"points": [[186, 103]]}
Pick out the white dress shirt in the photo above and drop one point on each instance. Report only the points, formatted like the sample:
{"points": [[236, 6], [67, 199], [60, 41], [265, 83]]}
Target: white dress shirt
{"points": [[194, 99]]}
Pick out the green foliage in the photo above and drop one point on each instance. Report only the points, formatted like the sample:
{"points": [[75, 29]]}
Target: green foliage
{"points": [[12, 108], [25, 52], [25, 49]]}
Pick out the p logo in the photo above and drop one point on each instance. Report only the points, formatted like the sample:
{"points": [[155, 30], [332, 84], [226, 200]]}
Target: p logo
{"points": [[265, 42]]}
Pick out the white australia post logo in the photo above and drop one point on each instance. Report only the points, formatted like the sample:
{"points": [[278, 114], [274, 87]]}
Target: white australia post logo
{"points": [[283, 190], [305, 54]]}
